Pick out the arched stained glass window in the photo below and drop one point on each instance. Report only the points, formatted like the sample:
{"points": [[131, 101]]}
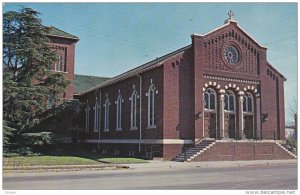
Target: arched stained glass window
{"points": [[229, 100], [151, 106], [210, 99], [248, 102], [133, 109]]}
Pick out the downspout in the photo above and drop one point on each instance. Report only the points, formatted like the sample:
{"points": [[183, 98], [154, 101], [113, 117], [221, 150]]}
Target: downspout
{"points": [[99, 118], [140, 138]]}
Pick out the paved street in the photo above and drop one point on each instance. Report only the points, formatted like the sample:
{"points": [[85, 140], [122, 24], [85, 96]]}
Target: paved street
{"points": [[182, 176]]}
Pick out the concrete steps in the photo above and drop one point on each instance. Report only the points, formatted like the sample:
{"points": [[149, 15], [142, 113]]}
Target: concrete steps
{"points": [[228, 149], [286, 150], [191, 153]]}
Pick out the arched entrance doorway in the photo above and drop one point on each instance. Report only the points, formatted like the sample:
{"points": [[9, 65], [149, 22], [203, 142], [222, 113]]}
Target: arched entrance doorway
{"points": [[248, 114], [230, 115], [210, 113]]}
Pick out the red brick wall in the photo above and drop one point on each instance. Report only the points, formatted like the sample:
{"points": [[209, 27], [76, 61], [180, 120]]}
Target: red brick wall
{"points": [[199, 64], [61, 45], [170, 151], [208, 52], [215, 42], [178, 97], [243, 151], [126, 88], [281, 109], [180, 83]]}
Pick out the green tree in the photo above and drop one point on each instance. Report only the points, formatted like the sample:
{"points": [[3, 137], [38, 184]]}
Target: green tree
{"points": [[27, 75]]}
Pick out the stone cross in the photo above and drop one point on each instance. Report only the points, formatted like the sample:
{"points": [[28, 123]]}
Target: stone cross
{"points": [[230, 14]]}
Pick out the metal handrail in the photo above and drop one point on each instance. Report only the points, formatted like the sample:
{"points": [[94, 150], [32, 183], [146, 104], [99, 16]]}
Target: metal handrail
{"points": [[200, 140]]}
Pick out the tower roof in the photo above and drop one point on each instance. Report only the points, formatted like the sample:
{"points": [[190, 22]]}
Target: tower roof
{"points": [[53, 31]]}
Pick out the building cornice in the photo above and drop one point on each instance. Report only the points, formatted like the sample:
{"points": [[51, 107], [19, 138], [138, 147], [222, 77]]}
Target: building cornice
{"points": [[231, 79]]}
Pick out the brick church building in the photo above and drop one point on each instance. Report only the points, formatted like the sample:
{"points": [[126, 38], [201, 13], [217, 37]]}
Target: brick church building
{"points": [[215, 99]]}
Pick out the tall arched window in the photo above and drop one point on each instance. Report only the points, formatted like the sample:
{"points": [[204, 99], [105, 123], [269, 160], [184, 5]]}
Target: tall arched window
{"points": [[96, 116], [87, 117], [210, 99], [151, 106], [248, 102], [133, 109], [119, 112], [106, 114], [229, 100]]}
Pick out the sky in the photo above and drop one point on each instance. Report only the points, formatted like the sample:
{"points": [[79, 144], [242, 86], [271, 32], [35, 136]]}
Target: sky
{"points": [[116, 37]]}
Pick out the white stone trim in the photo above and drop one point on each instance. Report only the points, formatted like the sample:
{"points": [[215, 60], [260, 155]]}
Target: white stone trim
{"points": [[119, 111], [106, 113], [151, 105], [228, 23], [143, 141], [230, 79], [215, 29], [133, 105], [96, 116]]}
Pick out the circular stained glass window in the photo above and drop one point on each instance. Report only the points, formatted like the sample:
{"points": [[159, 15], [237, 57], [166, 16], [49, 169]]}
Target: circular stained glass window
{"points": [[231, 55]]}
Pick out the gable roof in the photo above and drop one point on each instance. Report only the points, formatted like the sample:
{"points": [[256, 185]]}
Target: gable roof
{"points": [[233, 22], [53, 31], [135, 71], [85, 82]]}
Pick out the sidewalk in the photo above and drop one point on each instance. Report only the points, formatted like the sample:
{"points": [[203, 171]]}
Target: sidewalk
{"points": [[152, 165], [210, 164]]}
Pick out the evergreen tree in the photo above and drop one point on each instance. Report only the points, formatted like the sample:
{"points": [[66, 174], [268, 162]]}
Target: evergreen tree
{"points": [[27, 75]]}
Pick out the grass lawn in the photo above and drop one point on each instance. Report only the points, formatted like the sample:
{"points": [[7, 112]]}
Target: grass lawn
{"points": [[122, 160], [66, 160], [47, 160]]}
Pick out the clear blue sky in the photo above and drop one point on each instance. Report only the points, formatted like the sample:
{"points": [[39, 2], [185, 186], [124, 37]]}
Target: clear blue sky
{"points": [[115, 37]]}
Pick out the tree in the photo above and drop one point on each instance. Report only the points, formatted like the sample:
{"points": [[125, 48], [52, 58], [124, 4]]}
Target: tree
{"points": [[293, 112], [27, 75]]}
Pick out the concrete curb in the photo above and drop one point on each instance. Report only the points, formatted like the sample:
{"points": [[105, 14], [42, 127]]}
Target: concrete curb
{"points": [[62, 168]]}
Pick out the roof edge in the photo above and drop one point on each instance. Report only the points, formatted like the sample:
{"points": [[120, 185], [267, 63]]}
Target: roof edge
{"points": [[236, 24], [77, 39], [274, 69], [148, 66], [65, 37]]}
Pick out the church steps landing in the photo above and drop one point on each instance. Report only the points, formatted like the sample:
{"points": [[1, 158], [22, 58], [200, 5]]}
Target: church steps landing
{"points": [[286, 150], [235, 150], [194, 151]]}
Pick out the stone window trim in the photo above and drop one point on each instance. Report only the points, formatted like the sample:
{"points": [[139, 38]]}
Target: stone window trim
{"points": [[96, 116], [119, 112], [133, 108], [106, 114], [61, 64], [232, 44], [151, 105], [87, 117]]}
